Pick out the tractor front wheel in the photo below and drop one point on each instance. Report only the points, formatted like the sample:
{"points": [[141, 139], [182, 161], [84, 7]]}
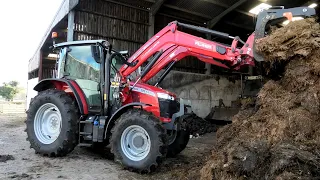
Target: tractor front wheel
{"points": [[178, 141], [52, 123], [138, 141]]}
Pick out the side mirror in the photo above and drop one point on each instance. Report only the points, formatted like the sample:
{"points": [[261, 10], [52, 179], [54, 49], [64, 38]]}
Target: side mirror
{"points": [[96, 53], [119, 57]]}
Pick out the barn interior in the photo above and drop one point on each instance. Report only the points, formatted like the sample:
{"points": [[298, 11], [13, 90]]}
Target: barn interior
{"points": [[128, 24]]}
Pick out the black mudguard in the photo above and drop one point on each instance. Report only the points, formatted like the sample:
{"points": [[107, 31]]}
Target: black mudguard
{"points": [[120, 111]]}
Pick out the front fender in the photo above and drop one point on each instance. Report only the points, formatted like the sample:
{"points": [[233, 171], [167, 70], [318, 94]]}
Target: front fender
{"points": [[63, 84], [120, 111]]}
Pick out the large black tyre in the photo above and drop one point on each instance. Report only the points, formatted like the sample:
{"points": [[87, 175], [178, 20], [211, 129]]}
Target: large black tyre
{"points": [[179, 144], [67, 137], [151, 130]]}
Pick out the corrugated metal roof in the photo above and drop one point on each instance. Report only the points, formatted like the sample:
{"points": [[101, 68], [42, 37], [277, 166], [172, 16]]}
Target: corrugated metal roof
{"points": [[229, 2], [197, 6], [65, 8], [145, 4]]}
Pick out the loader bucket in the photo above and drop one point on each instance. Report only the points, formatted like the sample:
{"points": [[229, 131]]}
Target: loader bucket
{"points": [[273, 16]]}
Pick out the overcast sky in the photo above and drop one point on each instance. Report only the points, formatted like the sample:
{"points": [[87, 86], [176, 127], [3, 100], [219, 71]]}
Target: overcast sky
{"points": [[23, 25]]}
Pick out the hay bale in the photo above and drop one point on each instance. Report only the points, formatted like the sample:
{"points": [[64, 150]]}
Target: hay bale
{"points": [[278, 138]]}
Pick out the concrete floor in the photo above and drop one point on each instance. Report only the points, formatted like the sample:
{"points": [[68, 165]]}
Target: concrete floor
{"points": [[84, 164]]}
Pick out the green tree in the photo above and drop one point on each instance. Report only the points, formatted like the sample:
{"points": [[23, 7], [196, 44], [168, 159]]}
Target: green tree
{"points": [[14, 83], [9, 90]]}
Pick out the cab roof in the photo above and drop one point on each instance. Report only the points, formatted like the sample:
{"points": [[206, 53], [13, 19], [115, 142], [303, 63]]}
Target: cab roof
{"points": [[85, 42]]}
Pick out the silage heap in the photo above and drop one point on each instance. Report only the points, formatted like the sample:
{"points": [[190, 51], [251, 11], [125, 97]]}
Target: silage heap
{"points": [[279, 138]]}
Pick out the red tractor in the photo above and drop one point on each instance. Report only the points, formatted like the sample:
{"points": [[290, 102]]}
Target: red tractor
{"points": [[92, 101]]}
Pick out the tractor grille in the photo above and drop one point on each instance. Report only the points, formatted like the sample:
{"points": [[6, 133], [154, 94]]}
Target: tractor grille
{"points": [[168, 107]]}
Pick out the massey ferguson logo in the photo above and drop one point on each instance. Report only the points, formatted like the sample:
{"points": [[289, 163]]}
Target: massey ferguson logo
{"points": [[202, 44], [143, 91]]}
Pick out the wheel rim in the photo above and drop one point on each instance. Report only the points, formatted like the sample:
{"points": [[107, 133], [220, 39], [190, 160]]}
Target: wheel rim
{"points": [[172, 136], [135, 143], [47, 123]]}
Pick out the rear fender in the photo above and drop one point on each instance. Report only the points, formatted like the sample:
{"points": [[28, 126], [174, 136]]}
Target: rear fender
{"points": [[119, 112], [68, 86]]}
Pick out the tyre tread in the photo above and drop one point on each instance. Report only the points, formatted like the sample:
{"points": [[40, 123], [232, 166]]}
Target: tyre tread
{"points": [[72, 112], [159, 129]]}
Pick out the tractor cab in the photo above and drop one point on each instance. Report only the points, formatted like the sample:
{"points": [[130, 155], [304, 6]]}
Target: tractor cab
{"points": [[83, 62]]}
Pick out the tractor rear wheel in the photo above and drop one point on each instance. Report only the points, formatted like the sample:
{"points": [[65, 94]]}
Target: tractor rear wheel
{"points": [[138, 141], [52, 123]]}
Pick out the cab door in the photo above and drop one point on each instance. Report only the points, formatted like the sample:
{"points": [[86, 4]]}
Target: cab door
{"points": [[81, 67]]}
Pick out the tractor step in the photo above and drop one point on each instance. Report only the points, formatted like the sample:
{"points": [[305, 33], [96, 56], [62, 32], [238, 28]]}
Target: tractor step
{"points": [[84, 145], [86, 122], [91, 130], [85, 133]]}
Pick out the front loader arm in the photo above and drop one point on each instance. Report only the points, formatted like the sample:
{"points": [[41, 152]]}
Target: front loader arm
{"points": [[176, 44], [176, 53]]}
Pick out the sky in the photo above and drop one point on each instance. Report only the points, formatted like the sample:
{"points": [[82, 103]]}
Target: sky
{"points": [[23, 25]]}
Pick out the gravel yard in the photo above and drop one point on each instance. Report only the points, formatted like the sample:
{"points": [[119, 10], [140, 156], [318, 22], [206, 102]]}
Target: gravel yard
{"points": [[18, 161]]}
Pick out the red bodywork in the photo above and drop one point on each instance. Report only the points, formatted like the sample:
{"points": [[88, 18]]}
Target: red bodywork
{"points": [[65, 87], [141, 93], [146, 94], [175, 46]]}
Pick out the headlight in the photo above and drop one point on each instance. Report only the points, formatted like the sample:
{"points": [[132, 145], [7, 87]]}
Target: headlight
{"points": [[165, 96]]}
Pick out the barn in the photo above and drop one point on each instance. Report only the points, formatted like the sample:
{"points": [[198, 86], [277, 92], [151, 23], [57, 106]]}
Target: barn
{"points": [[128, 24]]}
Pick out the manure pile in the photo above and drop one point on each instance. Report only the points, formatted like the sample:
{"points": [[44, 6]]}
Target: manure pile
{"points": [[199, 126], [278, 138]]}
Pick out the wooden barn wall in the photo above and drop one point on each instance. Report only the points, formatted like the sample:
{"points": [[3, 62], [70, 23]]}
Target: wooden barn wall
{"points": [[124, 27], [47, 72]]}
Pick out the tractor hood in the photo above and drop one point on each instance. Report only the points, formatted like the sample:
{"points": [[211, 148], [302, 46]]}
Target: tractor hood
{"points": [[153, 91]]}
